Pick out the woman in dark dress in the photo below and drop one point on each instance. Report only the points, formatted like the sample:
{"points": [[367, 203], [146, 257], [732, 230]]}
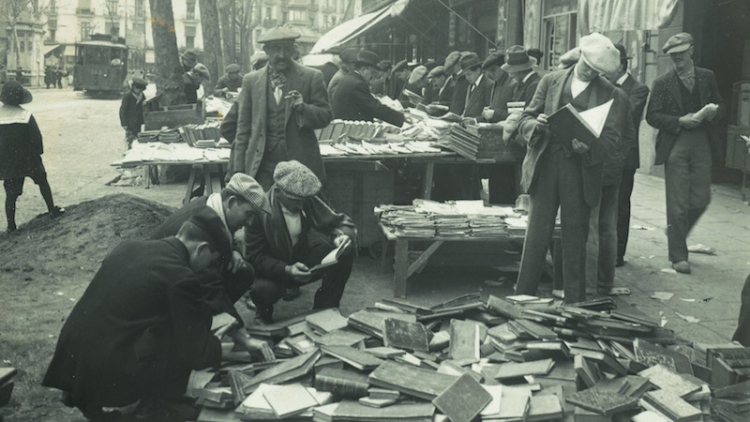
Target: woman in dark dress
{"points": [[21, 151]]}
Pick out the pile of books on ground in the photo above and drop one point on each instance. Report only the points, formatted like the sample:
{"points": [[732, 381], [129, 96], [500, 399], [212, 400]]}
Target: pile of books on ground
{"points": [[520, 358], [165, 136], [427, 218], [205, 135]]}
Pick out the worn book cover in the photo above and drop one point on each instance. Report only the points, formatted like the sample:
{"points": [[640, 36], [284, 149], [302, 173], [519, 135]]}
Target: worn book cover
{"points": [[463, 400], [406, 335], [342, 382], [418, 382], [356, 358]]}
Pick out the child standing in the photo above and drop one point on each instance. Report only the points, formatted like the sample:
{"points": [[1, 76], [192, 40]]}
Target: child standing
{"points": [[131, 110]]}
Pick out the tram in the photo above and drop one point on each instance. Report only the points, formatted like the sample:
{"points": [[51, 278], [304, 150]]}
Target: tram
{"points": [[101, 65]]}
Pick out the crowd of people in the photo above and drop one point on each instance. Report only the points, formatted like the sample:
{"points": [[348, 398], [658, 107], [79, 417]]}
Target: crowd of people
{"points": [[144, 321]]}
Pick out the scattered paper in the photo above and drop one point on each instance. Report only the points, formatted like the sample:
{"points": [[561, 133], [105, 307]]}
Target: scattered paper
{"points": [[59, 293], [662, 295], [619, 291], [72, 299], [668, 270], [687, 300], [701, 248], [688, 318]]}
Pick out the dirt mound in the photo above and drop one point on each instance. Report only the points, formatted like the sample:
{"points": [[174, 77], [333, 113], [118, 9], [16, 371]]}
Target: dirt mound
{"points": [[44, 268]]}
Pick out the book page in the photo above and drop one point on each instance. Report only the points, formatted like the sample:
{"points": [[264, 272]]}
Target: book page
{"points": [[332, 258], [597, 116]]}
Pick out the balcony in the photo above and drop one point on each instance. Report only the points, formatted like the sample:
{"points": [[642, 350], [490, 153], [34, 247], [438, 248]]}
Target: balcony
{"points": [[87, 12]]}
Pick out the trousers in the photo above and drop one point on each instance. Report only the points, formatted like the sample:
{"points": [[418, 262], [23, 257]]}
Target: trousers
{"points": [[623, 210], [687, 180], [601, 245], [742, 334], [559, 184]]}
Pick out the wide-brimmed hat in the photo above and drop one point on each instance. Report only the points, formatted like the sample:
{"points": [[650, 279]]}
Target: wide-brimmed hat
{"points": [[451, 60], [14, 94], [470, 61], [139, 82], [677, 43], [295, 180], [248, 188], [190, 57], [279, 34], [598, 52], [495, 59], [367, 58], [517, 59], [417, 74]]}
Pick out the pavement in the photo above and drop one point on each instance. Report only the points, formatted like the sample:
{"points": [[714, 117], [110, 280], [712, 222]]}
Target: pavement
{"points": [[83, 136]]}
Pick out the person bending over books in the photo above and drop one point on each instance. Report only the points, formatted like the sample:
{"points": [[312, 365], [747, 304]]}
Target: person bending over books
{"points": [[140, 327], [561, 171], [287, 245]]}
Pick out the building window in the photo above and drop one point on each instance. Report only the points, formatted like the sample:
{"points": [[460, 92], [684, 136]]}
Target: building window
{"points": [[112, 6], [297, 16], [52, 34], [559, 29], [190, 14], [269, 13], [189, 42], [139, 11], [22, 46], [85, 30]]}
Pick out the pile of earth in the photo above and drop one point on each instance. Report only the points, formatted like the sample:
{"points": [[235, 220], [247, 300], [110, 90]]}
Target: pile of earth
{"points": [[44, 268]]}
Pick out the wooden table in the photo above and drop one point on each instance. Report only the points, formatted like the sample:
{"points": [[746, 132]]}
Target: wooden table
{"points": [[195, 184], [403, 269]]}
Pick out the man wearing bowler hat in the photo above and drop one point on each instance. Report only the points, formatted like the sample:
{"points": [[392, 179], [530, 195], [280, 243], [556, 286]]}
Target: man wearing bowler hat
{"points": [[281, 105], [353, 100], [686, 142], [131, 110], [522, 68], [567, 176], [479, 89], [347, 56]]}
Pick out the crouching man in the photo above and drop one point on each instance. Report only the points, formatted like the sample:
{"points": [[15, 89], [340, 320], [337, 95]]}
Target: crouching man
{"points": [[140, 327], [283, 248]]}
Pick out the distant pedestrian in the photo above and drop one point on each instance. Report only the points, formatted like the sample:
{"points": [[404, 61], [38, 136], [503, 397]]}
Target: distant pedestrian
{"points": [[3, 74], [131, 110], [229, 82], [192, 80], [19, 75], [21, 151], [59, 73], [48, 76]]}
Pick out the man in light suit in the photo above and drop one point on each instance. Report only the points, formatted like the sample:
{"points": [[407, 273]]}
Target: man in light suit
{"points": [[637, 95], [686, 141], [279, 108], [568, 177]]}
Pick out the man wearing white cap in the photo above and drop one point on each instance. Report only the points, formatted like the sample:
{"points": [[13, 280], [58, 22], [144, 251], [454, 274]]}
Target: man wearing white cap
{"points": [[568, 177], [684, 107], [238, 202]]}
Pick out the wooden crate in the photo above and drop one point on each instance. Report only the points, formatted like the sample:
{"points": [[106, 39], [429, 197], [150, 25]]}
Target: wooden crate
{"points": [[492, 147], [356, 188], [737, 156], [155, 117]]}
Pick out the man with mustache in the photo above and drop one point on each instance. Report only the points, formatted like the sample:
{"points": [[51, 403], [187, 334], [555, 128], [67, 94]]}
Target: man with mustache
{"points": [[280, 106]]}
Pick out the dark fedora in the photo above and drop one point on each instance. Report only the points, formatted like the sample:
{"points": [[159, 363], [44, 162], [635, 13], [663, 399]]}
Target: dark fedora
{"points": [[470, 61], [623, 52], [367, 58], [517, 59]]}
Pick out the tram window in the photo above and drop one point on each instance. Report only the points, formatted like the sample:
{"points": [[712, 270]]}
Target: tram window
{"points": [[95, 56]]}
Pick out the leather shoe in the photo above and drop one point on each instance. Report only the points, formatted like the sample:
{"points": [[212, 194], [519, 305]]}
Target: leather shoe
{"points": [[681, 267], [620, 262], [291, 293]]}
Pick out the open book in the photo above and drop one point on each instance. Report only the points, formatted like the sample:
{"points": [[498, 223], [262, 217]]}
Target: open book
{"points": [[413, 96], [567, 123], [332, 258]]}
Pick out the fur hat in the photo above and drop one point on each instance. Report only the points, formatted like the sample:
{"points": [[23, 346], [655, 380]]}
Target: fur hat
{"points": [[14, 94], [295, 180], [599, 53], [245, 186]]}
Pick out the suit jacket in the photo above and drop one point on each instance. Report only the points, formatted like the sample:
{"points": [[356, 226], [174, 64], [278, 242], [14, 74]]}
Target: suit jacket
{"points": [[525, 91], [502, 92], [269, 246], [479, 98], [141, 310], [314, 113], [458, 100], [353, 101], [446, 96], [547, 100], [329, 69], [665, 109], [334, 83], [637, 96], [131, 113]]}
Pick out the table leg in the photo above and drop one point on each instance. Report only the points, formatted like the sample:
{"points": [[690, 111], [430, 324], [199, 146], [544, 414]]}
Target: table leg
{"points": [[147, 175], [207, 180], [190, 183], [429, 171], [402, 267]]}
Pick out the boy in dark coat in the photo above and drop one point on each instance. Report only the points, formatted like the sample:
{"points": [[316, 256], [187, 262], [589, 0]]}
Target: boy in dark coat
{"points": [[282, 248], [140, 326], [131, 110]]}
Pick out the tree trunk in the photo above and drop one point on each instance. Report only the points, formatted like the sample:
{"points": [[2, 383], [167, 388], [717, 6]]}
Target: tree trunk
{"points": [[228, 45], [168, 68], [211, 42], [249, 22]]}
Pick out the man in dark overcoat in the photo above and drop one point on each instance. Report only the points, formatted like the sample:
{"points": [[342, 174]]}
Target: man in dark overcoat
{"points": [[140, 326], [353, 100], [502, 88], [280, 107], [686, 142], [557, 175]]}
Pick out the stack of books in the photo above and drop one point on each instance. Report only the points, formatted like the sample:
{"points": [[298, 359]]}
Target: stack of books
{"points": [[194, 133]]}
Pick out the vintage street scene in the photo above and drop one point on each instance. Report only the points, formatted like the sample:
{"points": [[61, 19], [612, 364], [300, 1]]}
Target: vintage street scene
{"points": [[375, 210]]}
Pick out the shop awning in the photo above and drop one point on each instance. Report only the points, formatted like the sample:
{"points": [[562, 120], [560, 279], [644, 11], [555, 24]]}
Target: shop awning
{"points": [[356, 27], [624, 15], [51, 49]]}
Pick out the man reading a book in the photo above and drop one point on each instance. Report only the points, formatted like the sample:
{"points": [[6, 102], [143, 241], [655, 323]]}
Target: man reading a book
{"points": [[684, 107], [562, 171], [285, 245]]}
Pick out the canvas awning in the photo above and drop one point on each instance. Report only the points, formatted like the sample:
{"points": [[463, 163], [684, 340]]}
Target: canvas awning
{"points": [[624, 15], [356, 27], [51, 49]]}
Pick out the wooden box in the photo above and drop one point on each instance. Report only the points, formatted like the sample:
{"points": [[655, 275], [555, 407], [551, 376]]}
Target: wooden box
{"points": [[155, 117], [737, 156]]}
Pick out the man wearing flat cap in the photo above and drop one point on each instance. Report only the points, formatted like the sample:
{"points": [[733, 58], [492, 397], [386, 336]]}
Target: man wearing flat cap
{"points": [[281, 105], [192, 80], [231, 276], [416, 84], [229, 82], [353, 100], [442, 94], [460, 86], [686, 142], [140, 327], [283, 246], [399, 78], [502, 88], [131, 110], [452, 68], [347, 56], [565, 176]]}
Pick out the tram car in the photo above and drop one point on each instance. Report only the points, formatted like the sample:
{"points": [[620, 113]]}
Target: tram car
{"points": [[101, 65]]}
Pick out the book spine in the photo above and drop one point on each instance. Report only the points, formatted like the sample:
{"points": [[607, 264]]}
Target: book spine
{"points": [[341, 387]]}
